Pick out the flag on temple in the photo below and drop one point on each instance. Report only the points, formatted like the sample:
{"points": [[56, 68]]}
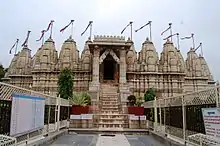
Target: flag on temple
{"points": [[50, 24], [13, 46], [42, 34], [198, 46], [187, 37], [26, 40], [130, 23], [90, 23], [170, 36], [143, 26], [71, 22], [166, 29]]}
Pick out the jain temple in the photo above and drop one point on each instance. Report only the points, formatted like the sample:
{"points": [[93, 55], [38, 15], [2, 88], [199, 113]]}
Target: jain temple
{"points": [[111, 61]]}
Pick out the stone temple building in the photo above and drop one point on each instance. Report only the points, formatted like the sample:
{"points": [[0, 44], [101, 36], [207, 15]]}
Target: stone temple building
{"points": [[111, 60]]}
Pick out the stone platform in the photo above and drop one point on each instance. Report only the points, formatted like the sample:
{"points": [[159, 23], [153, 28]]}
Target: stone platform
{"points": [[125, 131]]}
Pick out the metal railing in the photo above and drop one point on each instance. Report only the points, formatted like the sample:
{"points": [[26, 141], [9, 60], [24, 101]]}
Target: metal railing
{"points": [[55, 120], [180, 117]]}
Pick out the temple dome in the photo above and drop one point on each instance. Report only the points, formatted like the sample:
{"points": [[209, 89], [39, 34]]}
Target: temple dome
{"points": [[205, 69], [171, 59], [46, 57], [69, 54], [148, 56], [193, 64], [22, 63], [86, 56], [12, 66], [131, 58]]}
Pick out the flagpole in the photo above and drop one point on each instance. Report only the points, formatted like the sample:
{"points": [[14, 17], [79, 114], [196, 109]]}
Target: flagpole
{"points": [[90, 36], [170, 25], [193, 41], [150, 30], [201, 49], [28, 38], [131, 29], [16, 46], [71, 34], [51, 29], [43, 40], [178, 41]]}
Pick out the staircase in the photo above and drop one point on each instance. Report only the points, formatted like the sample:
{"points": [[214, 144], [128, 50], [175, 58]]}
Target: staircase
{"points": [[110, 116]]}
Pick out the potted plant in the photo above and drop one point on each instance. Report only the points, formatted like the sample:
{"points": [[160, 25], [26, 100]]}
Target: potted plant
{"points": [[80, 103], [131, 100], [134, 105]]}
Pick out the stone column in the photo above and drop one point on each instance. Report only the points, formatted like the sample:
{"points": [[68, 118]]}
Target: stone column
{"points": [[122, 74], [123, 86], [95, 65]]}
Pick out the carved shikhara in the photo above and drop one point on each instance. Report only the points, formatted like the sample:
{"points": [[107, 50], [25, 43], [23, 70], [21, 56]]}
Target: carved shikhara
{"points": [[169, 74]]}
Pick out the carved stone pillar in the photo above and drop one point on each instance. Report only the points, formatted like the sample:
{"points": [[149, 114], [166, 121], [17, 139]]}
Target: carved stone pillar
{"points": [[122, 78], [95, 65], [95, 84], [123, 85]]}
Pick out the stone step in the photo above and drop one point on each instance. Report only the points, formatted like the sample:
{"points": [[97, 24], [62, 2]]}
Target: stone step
{"points": [[113, 123], [109, 102], [113, 116], [109, 97], [109, 112], [109, 108], [110, 105], [111, 119], [109, 125]]}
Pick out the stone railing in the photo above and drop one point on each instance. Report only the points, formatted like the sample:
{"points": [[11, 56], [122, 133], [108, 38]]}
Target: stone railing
{"points": [[180, 117], [53, 104]]}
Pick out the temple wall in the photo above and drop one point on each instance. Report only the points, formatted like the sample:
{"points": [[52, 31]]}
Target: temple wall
{"points": [[170, 75]]}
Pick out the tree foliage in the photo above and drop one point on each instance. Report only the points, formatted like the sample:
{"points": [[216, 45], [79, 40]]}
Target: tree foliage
{"points": [[2, 72], [65, 84], [149, 95]]}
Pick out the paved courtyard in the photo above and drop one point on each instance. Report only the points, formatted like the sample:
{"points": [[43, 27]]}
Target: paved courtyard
{"points": [[98, 140]]}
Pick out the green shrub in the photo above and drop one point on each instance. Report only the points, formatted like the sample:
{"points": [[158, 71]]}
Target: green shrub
{"points": [[149, 95], [81, 99]]}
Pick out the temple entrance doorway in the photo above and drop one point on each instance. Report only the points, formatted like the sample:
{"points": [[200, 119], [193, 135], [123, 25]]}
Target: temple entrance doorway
{"points": [[109, 70]]}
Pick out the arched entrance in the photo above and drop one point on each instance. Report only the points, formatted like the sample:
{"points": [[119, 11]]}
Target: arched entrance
{"points": [[109, 70]]}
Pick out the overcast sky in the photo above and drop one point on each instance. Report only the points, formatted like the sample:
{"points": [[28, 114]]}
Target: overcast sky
{"points": [[201, 17]]}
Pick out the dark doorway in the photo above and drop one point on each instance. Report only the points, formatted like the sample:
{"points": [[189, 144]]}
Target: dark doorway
{"points": [[109, 68]]}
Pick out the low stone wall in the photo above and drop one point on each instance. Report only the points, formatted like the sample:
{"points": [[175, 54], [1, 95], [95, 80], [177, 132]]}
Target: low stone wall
{"points": [[137, 122], [81, 121]]}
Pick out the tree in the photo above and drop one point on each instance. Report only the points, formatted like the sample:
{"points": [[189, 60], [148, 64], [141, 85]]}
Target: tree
{"points": [[149, 95], [65, 84], [2, 72]]}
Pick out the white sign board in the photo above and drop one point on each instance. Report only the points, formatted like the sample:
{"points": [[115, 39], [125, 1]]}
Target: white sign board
{"points": [[142, 117], [27, 114], [86, 116], [75, 117], [211, 118], [133, 117]]}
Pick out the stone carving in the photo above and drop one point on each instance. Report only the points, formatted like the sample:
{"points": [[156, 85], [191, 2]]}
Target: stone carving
{"points": [[170, 74], [104, 55]]}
